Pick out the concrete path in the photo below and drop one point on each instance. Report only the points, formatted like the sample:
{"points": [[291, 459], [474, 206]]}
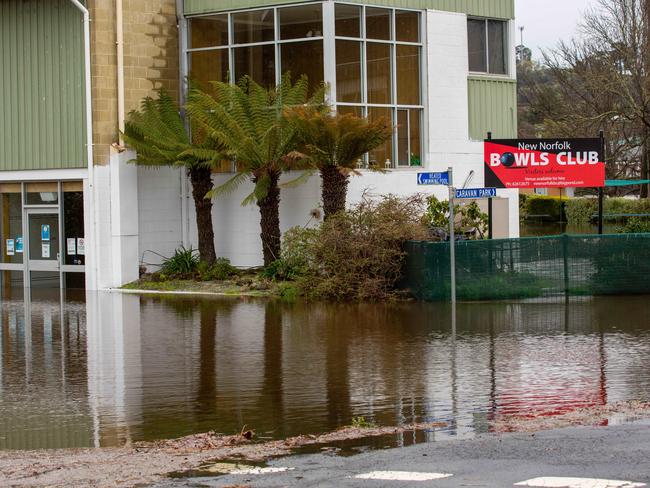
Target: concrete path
{"points": [[611, 457]]}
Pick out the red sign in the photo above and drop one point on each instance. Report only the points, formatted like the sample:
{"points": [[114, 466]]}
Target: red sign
{"points": [[544, 163]]}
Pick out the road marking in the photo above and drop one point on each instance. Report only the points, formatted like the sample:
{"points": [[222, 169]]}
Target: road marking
{"points": [[402, 476], [258, 470], [553, 482]]}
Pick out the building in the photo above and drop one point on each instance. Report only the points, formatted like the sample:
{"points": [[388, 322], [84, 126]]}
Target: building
{"points": [[75, 212]]}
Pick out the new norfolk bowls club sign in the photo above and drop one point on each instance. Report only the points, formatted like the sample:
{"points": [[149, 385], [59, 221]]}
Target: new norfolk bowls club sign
{"points": [[544, 163]]}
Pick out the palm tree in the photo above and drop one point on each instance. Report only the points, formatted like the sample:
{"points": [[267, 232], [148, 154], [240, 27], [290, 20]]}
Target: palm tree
{"points": [[160, 138], [250, 120], [333, 143]]}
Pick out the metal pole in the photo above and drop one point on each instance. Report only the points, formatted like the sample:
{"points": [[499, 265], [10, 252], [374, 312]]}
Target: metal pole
{"points": [[452, 238], [601, 191], [489, 138]]}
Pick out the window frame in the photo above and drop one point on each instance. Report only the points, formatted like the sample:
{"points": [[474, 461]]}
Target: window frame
{"points": [[365, 105], [506, 47]]}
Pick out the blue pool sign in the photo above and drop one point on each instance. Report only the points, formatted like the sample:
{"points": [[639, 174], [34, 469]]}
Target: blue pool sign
{"points": [[476, 193], [433, 178]]}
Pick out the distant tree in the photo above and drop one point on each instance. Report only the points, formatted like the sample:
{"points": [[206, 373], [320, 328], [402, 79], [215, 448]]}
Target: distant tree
{"points": [[159, 136], [601, 80]]}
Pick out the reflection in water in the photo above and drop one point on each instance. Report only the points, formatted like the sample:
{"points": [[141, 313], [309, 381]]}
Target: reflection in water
{"points": [[121, 368]]}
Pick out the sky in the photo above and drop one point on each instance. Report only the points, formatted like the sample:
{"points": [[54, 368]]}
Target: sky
{"points": [[546, 22]]}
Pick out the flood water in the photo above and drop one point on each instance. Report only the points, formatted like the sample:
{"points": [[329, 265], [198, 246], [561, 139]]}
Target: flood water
{"points": [[107, 368]]}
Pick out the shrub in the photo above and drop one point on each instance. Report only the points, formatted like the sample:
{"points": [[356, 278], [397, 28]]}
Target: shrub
{"points": [[184, 262], [579, 211], [471, 219], [219, 271], [544, 207], [358, 254], [635, 225]]}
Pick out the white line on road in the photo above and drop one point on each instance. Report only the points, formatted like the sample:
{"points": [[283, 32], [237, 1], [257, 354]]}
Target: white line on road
{"points": [[402, 476], [554, 482], [257, 470]]}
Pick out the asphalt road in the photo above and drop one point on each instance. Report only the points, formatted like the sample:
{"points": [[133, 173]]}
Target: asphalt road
{"points": [[613, 453]]}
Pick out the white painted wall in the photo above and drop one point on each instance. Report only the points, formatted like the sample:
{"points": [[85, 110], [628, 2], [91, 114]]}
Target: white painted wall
{"points": [[160, 224]]}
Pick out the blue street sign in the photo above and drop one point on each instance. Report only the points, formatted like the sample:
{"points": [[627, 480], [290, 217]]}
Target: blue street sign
{"points": [[476, 193], [433, 178]]}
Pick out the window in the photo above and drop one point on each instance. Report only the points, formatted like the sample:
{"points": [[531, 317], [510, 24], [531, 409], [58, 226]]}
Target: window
{"points": [[379, 76], [261, 43], [377, 58], [487, 41]]}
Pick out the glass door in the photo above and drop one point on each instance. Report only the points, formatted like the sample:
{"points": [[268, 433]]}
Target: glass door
{"points": [[43, 240]]}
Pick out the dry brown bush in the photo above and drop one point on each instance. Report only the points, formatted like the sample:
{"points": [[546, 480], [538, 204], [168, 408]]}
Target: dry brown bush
{"points": [[357, 254]]}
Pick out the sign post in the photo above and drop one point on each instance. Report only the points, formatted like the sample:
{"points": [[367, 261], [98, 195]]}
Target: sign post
{"points": [[452, 238]]}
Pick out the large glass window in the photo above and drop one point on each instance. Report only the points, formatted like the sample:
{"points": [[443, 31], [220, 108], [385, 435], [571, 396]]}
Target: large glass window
{"points": [[260, 43], [258, 62], [348, 20], [487, 44], [379, 73], [377, 58], [298, 58], [207, 66], [380, 76], [408, 75], [301, 22], [348, 71], [209, 31], [253, 26]]}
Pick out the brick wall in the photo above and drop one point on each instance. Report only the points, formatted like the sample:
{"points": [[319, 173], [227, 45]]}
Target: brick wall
{"points": [[151, 61]]}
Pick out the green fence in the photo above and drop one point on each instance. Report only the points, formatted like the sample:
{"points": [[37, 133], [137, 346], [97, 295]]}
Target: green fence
{"points": [[531, 267]]}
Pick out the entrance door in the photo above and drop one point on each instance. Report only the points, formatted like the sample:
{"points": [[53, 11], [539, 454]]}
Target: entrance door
{"points": [[43, 247]]}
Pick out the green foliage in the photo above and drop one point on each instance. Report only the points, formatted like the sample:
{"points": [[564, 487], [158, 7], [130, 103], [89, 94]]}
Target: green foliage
{"points": [[184, 262], [362, 423], [579, 211], [282, 270], [334, 139], [635, 225], [250, 121], [221, 270], [357, 254], [472, 223], [542, 207], [523, 198]]}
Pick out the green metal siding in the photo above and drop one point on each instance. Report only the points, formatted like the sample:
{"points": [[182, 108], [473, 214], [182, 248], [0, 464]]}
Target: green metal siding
{"points": [[42, 104], [492, 107], [503, 9]]}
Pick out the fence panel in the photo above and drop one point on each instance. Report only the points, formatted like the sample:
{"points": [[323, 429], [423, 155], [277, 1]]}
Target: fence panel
{"points": [[531, 267]]}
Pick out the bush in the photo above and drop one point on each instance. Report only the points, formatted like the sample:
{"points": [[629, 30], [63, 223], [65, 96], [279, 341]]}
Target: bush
{"points": [[635, 225], [579, 211], [357, 254], [184, 262], [219, 271], [473, 222], [544, 208]]}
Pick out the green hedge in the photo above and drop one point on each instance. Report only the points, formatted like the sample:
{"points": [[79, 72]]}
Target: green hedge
{"points": [[581, 211], [540, 207]]}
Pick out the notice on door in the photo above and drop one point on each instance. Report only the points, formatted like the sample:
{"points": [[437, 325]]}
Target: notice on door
{"points": [[45, 232], [10, 247], [45, 250], [81, 246], [71, 245]]}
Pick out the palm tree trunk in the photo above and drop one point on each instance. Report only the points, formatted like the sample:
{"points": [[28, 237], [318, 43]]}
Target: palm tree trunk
{"points": [[270, 219], [334, 190], [201, 179]]}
